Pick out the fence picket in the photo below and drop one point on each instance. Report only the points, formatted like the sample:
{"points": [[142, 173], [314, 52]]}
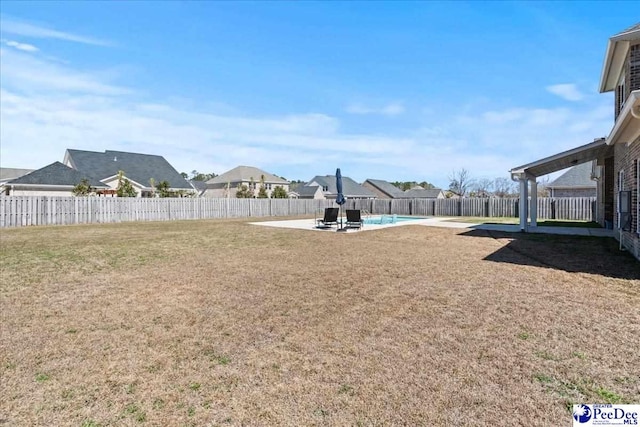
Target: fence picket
{"points": [[16, 211]]}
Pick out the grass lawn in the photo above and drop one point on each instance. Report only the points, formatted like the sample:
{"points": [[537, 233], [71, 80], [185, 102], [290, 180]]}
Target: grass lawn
{"points": [[226, 323], [541, 222]]}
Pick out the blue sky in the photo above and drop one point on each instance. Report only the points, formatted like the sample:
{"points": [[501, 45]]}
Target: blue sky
{"points": [[396, 91]]}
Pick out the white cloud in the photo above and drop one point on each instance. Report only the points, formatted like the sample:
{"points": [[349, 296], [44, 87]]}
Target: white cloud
{"points": [[568, 91], [11, 26], [393, 109], [36, 75], [48, 107], [21, 46]]}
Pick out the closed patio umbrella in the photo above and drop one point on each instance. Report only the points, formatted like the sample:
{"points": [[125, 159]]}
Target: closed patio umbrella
{"points": [[340, 200]]}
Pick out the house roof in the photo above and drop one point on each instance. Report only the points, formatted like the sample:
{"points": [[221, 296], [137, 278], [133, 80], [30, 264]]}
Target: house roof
{"points": [[627, 126], [576, 177], [563, 160], [12, 173], [422, 193], [199, 185], [245, 174], [137, 167], [57, 174], [350, 188], [386, 187], [307, 190], [623, 33], [615, 57]]}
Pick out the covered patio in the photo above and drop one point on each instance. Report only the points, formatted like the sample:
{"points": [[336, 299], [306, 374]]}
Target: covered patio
{"points": [[527, 175]]}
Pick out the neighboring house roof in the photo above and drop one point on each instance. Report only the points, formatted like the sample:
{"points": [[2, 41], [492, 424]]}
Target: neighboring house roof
{"points": [[386, 187], [422, 193], [137, 167], [306, 190], [577, 177], [56, 174], [7, 174], [245, 174], [199, 185], [350, 188]]}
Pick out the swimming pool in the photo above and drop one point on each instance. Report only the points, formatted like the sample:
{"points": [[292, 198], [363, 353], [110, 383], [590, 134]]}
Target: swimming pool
{"points": [[389, 219]]}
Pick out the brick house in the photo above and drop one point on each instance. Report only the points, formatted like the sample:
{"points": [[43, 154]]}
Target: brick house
{"points": [[575, 182], [617, 156], [619, 168]]}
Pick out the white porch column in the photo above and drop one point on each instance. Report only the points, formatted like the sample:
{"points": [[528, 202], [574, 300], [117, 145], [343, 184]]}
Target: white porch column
{"points": [[533, 209], [524, 203]]}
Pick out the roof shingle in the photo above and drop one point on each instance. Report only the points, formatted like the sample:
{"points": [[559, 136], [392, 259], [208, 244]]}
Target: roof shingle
{"points": [[577, 176], [387, 188], [137, 167], [57, 174], [245, 174], [350, 188]]}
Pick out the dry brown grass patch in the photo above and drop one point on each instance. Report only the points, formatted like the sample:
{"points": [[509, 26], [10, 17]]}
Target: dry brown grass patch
{"points": [[225, 323]]}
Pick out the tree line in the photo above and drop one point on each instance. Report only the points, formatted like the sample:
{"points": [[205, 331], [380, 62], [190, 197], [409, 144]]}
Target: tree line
{"points": [[463, 184]]}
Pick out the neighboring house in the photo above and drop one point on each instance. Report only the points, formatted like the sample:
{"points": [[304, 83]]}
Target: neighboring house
{"points": [[350, 188], [199, 186], [620, 170], [386, 190], [55, 179], [9, 174], [226, 184], [383, 189], [617, 155], [422, 193], [307, 192], [575, 182], [138, 168]]}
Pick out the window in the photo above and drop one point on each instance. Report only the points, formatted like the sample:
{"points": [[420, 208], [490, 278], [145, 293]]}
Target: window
{"points": [[638, 196], [268, 186], [325, 188]]}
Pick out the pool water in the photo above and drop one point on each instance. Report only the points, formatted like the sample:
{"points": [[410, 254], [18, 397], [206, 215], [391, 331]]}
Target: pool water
{"points": [[389, 219]]}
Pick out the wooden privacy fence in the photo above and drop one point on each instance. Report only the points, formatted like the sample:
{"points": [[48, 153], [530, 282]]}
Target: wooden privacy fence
{"points": [[16, 211]]}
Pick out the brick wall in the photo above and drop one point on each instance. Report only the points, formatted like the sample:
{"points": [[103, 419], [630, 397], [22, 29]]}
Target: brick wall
{"points": [[626, 158], [573, 192], [632, 79], [631, 73], [608, 181]]}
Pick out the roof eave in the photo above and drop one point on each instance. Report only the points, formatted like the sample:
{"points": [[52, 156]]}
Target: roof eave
{"points": [[614, 58], [613, 64], [51, 186], [525, 171], [627, 126]]}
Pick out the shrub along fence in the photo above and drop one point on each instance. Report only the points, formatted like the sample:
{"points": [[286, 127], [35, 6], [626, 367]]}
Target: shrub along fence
{"points": [[16, 211]]}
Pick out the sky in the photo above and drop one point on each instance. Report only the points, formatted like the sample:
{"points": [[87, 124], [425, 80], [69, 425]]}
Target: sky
{"points": [[402, 91]]}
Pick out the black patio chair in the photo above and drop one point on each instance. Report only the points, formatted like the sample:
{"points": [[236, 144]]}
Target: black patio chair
{"points": [[354, 219], [330, 218]]}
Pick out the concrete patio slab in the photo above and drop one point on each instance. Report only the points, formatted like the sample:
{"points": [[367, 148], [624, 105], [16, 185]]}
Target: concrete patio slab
{"points": [[444, 222]]}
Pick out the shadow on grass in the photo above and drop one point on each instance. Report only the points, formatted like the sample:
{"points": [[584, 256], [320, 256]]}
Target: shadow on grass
{"points": [[586, 254], [559, 223]]}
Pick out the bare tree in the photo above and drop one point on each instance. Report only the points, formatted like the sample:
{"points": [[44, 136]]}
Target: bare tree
{"points": [[460, 181], [503, 187], [543, 190], [482, 187]]}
